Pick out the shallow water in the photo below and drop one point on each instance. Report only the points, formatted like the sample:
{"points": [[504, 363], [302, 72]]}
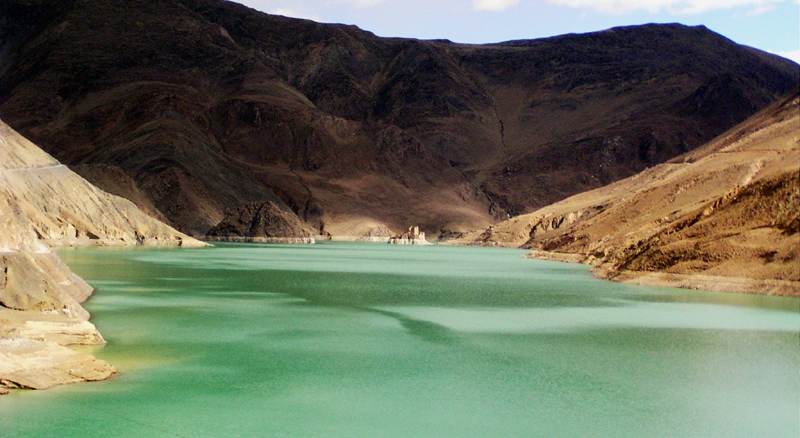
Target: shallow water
{"points": [[349, 340]]}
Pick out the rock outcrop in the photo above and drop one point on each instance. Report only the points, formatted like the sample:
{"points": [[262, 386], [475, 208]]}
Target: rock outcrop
{"points": [[723, 217], [34, 352], [413, 236], [377, 234], [44, 204], [261, 222]]}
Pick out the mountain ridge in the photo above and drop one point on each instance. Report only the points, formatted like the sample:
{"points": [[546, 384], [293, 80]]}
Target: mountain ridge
{"points": [[208, 106]]}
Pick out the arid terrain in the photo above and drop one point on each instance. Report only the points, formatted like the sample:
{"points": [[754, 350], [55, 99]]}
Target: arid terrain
{"points": [[44, 204], [725, 216], [194, 109]]}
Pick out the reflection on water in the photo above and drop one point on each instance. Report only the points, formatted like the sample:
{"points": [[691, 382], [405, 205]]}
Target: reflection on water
{"points": [[633, 315], [353, 339]]}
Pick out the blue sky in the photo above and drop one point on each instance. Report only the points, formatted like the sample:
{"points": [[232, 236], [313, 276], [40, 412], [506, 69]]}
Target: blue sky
{"points": [[770, 25]]}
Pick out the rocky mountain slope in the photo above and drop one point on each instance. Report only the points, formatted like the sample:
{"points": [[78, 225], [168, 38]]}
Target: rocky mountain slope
{"points": [[60, 208], [725, 216], [198, 107], [262, 222], [44, 204]]}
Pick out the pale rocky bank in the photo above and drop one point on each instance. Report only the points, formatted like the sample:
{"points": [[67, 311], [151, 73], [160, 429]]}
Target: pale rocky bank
{"points": [[44, 204]]}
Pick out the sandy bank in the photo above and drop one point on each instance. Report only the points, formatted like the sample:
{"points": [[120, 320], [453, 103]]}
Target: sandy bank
{"points": [[715, 283]]}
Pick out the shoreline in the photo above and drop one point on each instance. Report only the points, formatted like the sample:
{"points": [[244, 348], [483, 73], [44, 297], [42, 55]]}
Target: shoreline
{"points": [[712, 283], [35, 348], [318, 238], [276, 240], [36, 354]]}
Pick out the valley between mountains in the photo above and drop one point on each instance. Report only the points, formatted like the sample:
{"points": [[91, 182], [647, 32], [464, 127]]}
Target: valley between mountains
{"points": [[197, 108], [722, 217]]}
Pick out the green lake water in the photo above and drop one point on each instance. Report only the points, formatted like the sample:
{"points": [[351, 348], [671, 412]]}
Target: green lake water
{"points": [[371, 340]]}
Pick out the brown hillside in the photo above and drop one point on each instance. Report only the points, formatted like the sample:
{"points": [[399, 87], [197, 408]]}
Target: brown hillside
{"points": [[208, 106], [724, 216]]}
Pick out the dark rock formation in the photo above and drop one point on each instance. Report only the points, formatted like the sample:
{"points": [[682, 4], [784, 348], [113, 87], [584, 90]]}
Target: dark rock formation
{"points": [[261, 222]]}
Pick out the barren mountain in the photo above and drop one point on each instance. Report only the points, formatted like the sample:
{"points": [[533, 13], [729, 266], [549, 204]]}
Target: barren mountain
{"points": [[198, 107], [725, 216], [43, 204]]}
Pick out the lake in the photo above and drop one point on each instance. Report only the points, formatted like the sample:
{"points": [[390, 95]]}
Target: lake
{"points": [[373, 340]]}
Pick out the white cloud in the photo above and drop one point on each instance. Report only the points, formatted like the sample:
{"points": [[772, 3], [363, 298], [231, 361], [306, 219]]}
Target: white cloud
{"points": [[361, 3], [493, 5], [294, 14], [675, 7], [760, 9], [794, 55]]}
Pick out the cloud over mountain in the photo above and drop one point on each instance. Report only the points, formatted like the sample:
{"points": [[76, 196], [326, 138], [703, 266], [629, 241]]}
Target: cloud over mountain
{"points": [[493, 5], [676, 7]]}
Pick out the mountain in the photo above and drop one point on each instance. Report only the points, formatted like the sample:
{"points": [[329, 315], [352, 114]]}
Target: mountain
{"points": [[725, 216], [44, 204], [195, 108]]}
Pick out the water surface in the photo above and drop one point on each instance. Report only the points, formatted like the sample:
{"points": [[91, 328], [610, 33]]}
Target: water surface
{"points": [[371, 340]]}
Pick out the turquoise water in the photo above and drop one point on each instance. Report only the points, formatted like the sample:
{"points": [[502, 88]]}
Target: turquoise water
{"points": [[370, 340]]}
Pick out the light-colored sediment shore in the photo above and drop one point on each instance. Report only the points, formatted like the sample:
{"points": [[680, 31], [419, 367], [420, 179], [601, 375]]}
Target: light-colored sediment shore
{"points": [[715, 283], [34, 352], [31, 364]]}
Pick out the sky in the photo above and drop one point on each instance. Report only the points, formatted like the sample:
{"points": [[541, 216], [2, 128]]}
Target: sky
{"points": [[769, 25]]}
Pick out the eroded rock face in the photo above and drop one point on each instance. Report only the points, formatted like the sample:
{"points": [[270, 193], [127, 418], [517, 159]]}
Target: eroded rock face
{"points": [[41, 282], [114, 180], [379, 233], [263, 222]]}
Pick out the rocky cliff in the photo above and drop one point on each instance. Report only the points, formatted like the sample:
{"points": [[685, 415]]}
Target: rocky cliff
{"points": [[723, 217], [44, 204], [207, 106]]}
